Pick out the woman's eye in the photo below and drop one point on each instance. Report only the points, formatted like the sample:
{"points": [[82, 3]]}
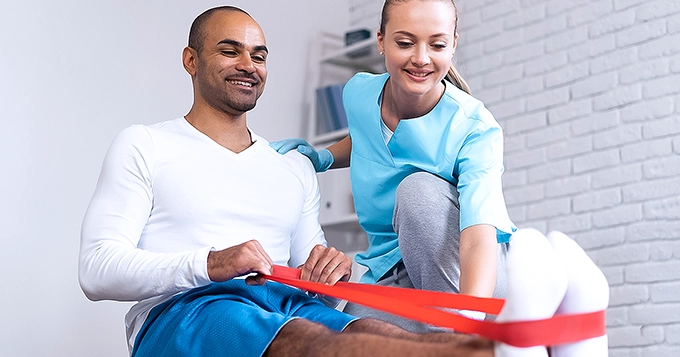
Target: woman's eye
{"points": [[439, 46], [404, 44]]}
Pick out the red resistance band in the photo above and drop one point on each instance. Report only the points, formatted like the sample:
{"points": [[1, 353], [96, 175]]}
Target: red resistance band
{"points": [[424, 306]]}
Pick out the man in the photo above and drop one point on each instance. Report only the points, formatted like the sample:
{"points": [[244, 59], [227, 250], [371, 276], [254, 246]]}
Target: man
{"points": [[184, 207]]}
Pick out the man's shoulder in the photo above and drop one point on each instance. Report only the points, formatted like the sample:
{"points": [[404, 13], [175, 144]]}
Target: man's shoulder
{"points": [[143, 137], [293, 158], [146, 129]]}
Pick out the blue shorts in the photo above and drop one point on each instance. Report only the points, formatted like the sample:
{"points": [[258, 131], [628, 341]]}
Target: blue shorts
{"points": [[229, 319]]}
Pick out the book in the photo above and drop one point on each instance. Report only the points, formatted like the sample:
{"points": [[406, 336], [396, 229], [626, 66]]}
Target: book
{"points": [[331, 115]]}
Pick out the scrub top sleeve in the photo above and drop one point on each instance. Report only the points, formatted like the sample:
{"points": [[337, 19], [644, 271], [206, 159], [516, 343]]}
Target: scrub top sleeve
{"points": [[479, 168]]}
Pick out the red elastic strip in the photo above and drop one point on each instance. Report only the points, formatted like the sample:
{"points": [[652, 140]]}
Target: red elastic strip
{"points": [[418, 305], [417, 297]]}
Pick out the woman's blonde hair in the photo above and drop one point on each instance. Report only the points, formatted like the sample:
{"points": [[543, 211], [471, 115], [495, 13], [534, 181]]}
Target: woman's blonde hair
{"points": [[452, 76]]}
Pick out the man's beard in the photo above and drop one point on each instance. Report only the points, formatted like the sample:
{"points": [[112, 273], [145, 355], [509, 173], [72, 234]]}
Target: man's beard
{"points": [[242, 106]]}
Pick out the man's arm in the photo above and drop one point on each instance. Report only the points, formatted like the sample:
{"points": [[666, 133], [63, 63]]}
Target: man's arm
{"points": [[309, 250], [111, 266]]}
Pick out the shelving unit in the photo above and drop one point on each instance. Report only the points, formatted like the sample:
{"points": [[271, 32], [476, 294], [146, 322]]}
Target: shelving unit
{"points": [[331, 63]]}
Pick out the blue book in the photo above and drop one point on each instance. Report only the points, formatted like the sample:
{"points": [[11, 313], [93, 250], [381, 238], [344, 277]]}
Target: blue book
{"points": [[324, 117], [332, 107], [336, 96]]}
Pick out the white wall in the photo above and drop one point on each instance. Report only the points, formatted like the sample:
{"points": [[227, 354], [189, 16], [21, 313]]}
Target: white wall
{"points": [[73, 74], [588, 93]]}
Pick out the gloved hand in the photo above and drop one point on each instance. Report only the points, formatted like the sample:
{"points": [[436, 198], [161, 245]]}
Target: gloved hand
{"points": [[322, 159]]}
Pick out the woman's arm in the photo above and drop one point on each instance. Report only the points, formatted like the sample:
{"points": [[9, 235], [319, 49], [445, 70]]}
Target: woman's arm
{"points": [[478, 252], [341, 152]]}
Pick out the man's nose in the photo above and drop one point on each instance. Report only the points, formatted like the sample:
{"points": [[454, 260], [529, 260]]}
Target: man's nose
{"points": [[245, 63]]}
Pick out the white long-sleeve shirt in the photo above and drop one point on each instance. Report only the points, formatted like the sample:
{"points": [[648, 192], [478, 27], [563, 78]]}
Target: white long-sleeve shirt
{"points": [[168, 194]]}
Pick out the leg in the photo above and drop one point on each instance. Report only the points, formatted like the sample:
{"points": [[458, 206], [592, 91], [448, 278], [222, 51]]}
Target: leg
{"points": [[587, 291], [426, 217], [378, 327], [426, 220], [537, 283], [398, 277], [304, 338]]}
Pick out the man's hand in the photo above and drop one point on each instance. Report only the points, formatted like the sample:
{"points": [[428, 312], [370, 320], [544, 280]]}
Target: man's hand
{"points": [[326, 266], [239, 260]]}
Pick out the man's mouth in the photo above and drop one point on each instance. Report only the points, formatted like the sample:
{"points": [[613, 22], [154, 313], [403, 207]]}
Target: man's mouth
{"points": [[240, 83]]}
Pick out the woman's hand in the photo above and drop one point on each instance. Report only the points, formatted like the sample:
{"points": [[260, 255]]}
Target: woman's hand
{"points": [[322, 159]]}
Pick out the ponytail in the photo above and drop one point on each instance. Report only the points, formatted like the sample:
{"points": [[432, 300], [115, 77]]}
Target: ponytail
{"points": [[454, 77]]}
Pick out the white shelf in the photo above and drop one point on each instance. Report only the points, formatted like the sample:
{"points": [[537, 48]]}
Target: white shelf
{"points": [[330, 136], [370, 62]]}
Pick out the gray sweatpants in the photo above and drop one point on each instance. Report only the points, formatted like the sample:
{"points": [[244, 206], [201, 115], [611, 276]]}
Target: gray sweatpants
{"points": [[426, 220]]}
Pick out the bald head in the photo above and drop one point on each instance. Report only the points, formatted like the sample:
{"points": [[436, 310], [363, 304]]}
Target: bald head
{"points": [[198, 32]]}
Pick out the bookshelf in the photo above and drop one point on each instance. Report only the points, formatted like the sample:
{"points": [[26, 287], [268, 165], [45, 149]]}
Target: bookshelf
{"points": [[331, 65]]}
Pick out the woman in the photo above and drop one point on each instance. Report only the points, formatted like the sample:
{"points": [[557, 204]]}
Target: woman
{"points": [[426, 164]]}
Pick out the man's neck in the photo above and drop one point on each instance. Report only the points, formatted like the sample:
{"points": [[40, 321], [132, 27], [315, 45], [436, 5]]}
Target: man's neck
{"points": [[228, 130]]}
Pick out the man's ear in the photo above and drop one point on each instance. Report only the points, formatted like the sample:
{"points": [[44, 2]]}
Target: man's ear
{"points": [[189, 59]]}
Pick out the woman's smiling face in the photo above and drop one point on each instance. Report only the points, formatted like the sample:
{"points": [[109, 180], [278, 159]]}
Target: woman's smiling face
{"points": [[418, 41]]}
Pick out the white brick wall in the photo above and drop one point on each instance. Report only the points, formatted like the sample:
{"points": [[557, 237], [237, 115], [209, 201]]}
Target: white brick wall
{"points": [[588, 93]]}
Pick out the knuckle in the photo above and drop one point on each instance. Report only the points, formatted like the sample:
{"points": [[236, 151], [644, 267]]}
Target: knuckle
{"points": [[318, 248]]}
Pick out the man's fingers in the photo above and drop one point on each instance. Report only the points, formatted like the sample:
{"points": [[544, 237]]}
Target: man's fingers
{"points": [[264, 254], [325, 258], [309, 265], [239, 260], [256, 280], [326, 266], [340, 267]]}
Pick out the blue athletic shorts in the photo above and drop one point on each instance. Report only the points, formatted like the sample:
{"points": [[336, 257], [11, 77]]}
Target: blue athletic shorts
{"points": [[228, 319]]}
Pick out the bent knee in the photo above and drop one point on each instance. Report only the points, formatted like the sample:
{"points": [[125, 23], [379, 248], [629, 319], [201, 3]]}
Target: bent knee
{"points": [[423, 189], [424, 195]]}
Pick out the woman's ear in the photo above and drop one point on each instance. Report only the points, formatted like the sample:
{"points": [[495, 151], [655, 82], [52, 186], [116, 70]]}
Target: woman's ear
{"points": [[455, 43], [381, 42]]}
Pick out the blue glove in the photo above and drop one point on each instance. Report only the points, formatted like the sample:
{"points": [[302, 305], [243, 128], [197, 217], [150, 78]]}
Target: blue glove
{"points": [[322, 159]]}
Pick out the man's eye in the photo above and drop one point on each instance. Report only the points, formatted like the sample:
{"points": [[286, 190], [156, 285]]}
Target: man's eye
{"points": [[259, 59], [229, 53]]}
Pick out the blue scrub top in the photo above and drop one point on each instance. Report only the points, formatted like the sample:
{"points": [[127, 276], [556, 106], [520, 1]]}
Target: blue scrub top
{"points": [[458, 140]]}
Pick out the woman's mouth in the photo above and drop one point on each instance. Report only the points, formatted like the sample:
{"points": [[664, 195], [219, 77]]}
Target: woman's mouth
{"points": [[418, 75]]}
